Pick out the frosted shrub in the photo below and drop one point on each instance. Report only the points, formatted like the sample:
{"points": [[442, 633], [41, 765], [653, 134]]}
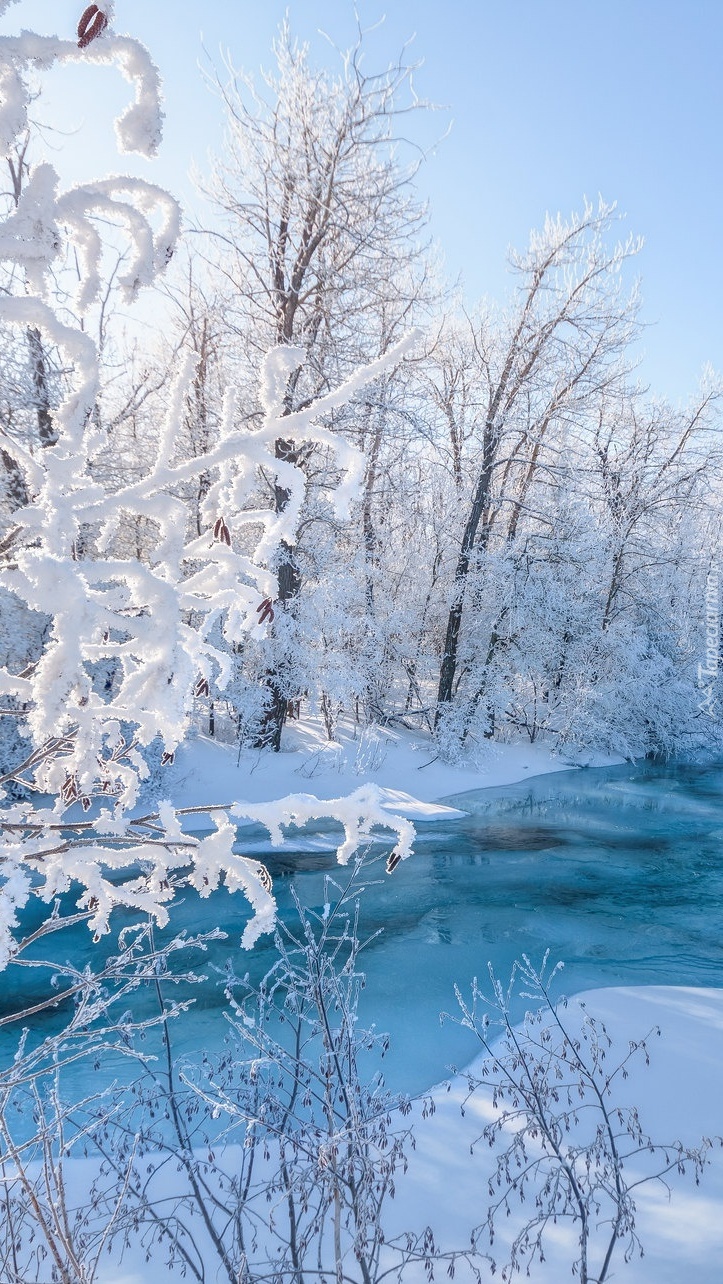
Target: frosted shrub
{"points": [[277, 1158], [50, 1227], [371, 751], [566, 1151]]}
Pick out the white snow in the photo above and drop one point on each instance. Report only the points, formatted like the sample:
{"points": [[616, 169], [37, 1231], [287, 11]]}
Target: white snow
{"points": [[678, 1096], [207, 772]]}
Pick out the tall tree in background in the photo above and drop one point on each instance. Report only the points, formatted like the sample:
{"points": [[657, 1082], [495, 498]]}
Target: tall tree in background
{"points": [[26, 415], [321, 234], [560, 348]]}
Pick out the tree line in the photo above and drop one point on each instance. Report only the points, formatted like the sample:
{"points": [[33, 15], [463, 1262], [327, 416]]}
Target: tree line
{"points": [[529, 546]]}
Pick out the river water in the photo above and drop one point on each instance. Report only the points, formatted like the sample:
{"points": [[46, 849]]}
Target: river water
{"points": [[617, 871]]}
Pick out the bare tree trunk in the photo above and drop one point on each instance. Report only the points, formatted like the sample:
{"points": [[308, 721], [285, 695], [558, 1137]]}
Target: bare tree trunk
{"points": [[480, 504], [16, 489], [46, 428], [289, 579], [370, 539], [200, 392]]}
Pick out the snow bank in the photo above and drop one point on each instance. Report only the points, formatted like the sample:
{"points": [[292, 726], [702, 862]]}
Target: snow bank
{"points": [[678, 1095], [206, 772]]}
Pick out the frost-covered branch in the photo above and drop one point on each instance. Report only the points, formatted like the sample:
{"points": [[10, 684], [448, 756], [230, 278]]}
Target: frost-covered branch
{"points": [[138, 862], [138, 129], [128, 643]]}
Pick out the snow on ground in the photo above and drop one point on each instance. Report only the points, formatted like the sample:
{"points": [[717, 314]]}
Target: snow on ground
{"points": [[406, 767], [678, 1095]]}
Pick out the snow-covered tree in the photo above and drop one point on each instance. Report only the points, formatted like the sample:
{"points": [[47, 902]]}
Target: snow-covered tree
{"points": [[128, 642], [586, 542], [559, 347], [318, 244]]}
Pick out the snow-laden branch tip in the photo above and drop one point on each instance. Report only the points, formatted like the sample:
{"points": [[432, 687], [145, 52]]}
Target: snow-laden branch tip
{"points": [[140, 126], [139, 863], [132, 202]]}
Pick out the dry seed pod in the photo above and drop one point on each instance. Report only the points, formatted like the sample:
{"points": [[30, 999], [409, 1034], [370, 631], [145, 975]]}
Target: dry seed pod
{"points": [[265, 611], [201, 688], [264, 878], [221, 531], [392, 862], [70, 790], [85, 803], [167, 758], [92, 22]]}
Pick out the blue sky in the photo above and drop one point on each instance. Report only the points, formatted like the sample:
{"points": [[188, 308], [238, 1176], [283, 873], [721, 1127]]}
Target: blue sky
{"points": [[550, 100]]}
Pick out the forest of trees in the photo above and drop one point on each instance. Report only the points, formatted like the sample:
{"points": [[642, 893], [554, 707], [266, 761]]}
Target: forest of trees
{"points": [[528, 550]]}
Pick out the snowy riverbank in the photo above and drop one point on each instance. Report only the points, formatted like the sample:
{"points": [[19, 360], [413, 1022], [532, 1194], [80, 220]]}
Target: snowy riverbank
{"points": [[679, 1224], [406, 767], [678, 1098], [448, 1178]]}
